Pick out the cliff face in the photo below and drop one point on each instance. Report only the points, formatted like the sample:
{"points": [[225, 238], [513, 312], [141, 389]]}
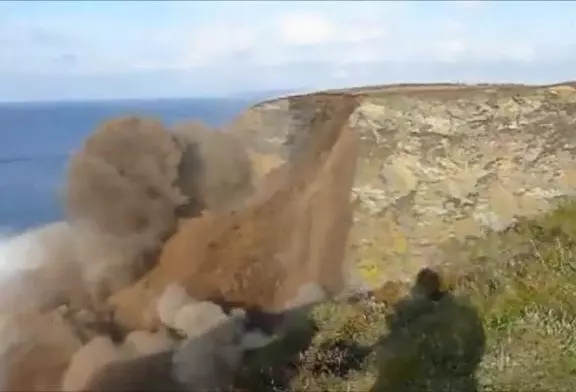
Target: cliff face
{"points": [[437, 162]]}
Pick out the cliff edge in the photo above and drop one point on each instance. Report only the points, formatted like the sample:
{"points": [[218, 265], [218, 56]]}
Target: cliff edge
{"points": [[437, 163]]}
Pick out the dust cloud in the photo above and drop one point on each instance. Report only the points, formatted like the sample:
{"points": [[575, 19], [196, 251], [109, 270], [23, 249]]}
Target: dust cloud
{"points": [[139, 199]]}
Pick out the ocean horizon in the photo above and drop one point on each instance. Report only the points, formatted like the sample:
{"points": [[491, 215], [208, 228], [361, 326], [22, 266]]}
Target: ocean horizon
{"points": [[38, 137]]}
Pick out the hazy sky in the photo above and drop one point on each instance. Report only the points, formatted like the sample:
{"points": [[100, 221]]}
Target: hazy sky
{"points": [[100, 49]]}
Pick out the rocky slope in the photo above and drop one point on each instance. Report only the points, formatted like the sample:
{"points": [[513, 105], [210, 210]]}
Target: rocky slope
{"points": [[437, 162]]}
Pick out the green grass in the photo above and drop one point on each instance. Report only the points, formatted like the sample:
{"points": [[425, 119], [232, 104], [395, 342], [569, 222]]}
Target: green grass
{"points": [[521, 283]]}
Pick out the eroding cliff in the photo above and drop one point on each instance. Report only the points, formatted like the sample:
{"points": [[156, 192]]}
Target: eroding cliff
{"points": [[438, 162], [337, 189]]}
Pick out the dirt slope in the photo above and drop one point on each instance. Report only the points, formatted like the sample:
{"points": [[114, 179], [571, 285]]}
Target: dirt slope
{"points": [[291, 235]]}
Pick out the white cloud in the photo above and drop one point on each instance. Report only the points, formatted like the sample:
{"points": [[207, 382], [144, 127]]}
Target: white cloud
{"points": [[291, 43], [310, 36], [452, 50], [354, 33], [521, 52], [212, 44], [360, 54], [305, 29], [460, 49], [358, 33], [340, 74]]}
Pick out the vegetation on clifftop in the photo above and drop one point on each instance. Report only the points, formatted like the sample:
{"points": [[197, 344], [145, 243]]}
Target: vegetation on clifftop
{"points": [[519, 282]]}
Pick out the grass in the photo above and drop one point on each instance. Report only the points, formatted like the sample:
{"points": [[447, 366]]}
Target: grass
{"points": [[520, 284]]}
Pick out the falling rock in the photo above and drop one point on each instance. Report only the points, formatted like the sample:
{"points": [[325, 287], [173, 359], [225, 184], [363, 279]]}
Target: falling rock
{"points": [[291, 233]]}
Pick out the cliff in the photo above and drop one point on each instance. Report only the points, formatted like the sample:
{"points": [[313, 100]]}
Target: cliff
{"points": [[437, 163], [351, 189]]}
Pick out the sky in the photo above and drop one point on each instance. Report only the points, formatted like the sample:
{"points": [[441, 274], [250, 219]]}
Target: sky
{"points": [[155, 49]]}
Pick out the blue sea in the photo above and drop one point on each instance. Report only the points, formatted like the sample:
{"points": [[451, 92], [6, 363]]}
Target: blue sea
{"points": [[37, 138]]}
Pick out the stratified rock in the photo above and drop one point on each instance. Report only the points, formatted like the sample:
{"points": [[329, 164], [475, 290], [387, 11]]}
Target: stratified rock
{"points": [[438, 162], [292, 233]]}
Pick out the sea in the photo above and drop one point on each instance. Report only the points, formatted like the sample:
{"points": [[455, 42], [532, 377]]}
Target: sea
{"points": [[36, 140]]}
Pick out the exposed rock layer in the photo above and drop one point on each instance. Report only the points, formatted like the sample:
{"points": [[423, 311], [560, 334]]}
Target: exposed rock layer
{"points": [[438, 162]]}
